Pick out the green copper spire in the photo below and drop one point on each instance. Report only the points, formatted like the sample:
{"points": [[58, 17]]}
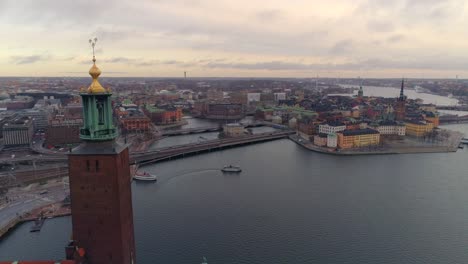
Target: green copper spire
{"points": [[97, 108]]}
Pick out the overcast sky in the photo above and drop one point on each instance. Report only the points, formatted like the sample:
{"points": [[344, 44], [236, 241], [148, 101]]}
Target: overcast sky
{"points": [[230, 38]]}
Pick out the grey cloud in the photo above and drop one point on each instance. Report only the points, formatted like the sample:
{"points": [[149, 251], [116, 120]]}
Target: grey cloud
{"points": [[106, 72], [119, 60], [380, 26], [114, 34], [341, 47], [19, 60], [369, 64], [269, 15], [68, 58], [395, 38]]}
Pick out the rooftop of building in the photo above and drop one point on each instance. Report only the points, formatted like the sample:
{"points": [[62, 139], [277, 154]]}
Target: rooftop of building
{"points": [[416, 122], [389, 123], [334, 123], [21, 121], [356, 132]]}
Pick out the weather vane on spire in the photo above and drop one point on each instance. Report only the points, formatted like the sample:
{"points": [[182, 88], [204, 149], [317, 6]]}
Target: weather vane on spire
{"points": [[93, 44]]}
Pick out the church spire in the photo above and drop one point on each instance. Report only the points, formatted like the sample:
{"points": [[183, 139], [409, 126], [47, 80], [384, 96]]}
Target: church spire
{"points": [[402, 95]]}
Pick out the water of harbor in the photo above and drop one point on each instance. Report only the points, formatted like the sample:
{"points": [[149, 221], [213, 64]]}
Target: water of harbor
{"points": [[289, 205], [412, 94]]}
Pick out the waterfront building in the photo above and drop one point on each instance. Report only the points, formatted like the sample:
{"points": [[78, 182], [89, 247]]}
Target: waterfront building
{"points": [[332, 140], [233, 130], [400, 109], [390, 127], [418, 128], [306, 128], [18, 132], [99, 172], [163, 115], [331, 127], [358, 138], [320, 140]]}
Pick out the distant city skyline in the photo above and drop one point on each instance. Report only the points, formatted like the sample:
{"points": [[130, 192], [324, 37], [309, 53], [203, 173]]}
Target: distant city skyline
{"points": [[226, 38]]}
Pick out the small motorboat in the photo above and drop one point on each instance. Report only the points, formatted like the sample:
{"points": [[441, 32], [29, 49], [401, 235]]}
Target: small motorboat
{"points": [[204, 261], [144, 177], [38, 223], [231, 168]]}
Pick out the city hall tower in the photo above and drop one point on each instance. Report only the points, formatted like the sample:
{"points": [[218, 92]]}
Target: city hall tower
{"points": [[100, 182]]}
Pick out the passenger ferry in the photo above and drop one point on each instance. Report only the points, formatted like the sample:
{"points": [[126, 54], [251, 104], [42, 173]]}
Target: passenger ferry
{"points": [[231, 168], [144, 177]]}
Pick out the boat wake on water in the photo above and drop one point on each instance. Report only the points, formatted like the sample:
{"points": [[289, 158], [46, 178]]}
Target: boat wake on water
{"points": [[162, 179]]}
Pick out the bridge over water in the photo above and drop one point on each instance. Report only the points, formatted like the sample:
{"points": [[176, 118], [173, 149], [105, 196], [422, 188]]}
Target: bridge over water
{"points": [[210, 145], [453, 119], [11, 178], [196, 130]]}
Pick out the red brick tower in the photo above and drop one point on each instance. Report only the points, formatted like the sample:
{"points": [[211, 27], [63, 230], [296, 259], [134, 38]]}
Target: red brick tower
{"points": [[400, 109], [100, 180]]}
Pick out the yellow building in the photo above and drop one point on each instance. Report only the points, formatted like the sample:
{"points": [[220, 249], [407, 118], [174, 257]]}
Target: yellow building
{"points": [[418, 128], [358, 138]]}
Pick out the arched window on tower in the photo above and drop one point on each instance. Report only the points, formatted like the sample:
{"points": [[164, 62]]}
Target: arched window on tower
{"points": [[100, 108]]}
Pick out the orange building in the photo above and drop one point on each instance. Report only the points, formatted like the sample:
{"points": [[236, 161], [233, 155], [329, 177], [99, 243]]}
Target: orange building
{"points": [[358, 138]]}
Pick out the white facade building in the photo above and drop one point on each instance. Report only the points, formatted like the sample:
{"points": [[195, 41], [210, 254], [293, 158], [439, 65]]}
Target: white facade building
{"points": [[391, 128], [331, 128]]}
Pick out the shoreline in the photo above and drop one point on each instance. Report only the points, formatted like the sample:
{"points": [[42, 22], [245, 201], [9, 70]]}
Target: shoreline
{"points": [[63, 210], [407, 150]]}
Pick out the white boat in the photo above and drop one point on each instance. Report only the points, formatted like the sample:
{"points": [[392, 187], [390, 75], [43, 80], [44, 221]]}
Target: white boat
{"points": [[144, 177], [231, 168]]}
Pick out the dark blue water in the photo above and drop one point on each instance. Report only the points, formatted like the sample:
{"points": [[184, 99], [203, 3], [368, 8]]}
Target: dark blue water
{"points": [[290, 205]]}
